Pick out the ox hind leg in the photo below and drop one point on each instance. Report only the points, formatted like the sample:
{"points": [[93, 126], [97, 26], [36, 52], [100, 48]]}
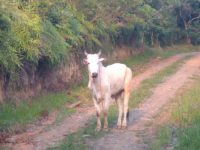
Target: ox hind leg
{"points": [[119, 101], [127, 91], [105, 110]]}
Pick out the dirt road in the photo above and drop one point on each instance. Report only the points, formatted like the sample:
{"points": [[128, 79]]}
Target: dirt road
{"points": [[40, 138]]}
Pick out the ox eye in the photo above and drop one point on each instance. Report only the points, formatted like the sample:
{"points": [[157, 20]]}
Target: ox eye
{"points": [[85, 62]]}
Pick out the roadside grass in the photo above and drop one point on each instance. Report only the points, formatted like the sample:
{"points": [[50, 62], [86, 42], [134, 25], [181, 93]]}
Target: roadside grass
{"points": [[182, 48], [163, 138], [76, 141], [13, 116], [187, 115], [185, 119], [81, 94]]}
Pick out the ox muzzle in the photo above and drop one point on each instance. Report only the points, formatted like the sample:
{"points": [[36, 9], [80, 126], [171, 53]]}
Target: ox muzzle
{"points": [[94, 75]]}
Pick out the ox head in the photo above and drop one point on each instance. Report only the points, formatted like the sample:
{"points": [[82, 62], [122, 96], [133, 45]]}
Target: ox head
{"points": [[93, 61]]}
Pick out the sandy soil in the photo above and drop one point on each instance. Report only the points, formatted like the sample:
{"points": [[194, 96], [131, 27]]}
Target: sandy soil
{"points": [[44, 135]]}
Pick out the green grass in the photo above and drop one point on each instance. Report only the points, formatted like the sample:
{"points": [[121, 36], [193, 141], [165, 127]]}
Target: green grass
{"points": [[182, 48], [75, 94], [141, 59], [163, 138], [15, 115], [76, 141], [185, 116]]}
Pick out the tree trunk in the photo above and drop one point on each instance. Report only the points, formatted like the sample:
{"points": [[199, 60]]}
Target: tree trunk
{"points": [[188, 39], [157, 41], [142, 42], [152, 42]]}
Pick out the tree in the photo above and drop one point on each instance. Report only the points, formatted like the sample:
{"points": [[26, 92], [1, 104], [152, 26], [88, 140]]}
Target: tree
{"points": [[188, 17]]}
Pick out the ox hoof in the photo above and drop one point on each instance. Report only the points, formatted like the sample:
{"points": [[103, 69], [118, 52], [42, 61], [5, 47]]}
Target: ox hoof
{"points": [[105, 129], [123, 127], [98, 129], [119, 127]]}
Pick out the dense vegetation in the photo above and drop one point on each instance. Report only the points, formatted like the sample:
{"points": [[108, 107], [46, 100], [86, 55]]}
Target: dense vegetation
{"points": [[34, 32]]}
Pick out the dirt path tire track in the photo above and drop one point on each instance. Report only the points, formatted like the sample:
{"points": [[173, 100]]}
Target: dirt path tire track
{"points": [[142, 116], [39, 139]]}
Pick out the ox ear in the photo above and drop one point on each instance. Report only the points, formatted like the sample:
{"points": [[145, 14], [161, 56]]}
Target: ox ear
{"points": [[85, 53], [85, 62], [101, 59], [99, 53]]}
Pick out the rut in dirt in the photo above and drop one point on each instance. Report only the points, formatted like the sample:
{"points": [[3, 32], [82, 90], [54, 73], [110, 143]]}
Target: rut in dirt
{"points": [[40, 138], [141, 117]]}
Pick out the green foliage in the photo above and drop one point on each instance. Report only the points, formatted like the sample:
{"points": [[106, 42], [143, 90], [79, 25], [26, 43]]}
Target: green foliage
{"points": [[52, 45], [19, 36], [48, 30], [8, 54], [188, 19], [27, 33]]}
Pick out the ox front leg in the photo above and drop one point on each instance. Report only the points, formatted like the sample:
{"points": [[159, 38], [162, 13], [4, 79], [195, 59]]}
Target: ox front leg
{"points": [[98, 127], [126, 99], [98, 112]]}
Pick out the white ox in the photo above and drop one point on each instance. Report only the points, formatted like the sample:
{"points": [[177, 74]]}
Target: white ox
{"points": [[107, 83]]}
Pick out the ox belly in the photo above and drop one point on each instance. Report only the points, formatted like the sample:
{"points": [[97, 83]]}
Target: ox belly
{"points": [[116, 75]]}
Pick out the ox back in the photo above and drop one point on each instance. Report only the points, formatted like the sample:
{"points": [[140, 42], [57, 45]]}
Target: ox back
{"points": [[116, 74]]}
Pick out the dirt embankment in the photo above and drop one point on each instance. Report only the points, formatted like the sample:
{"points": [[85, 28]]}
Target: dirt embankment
{"points": [[32, 80]]}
